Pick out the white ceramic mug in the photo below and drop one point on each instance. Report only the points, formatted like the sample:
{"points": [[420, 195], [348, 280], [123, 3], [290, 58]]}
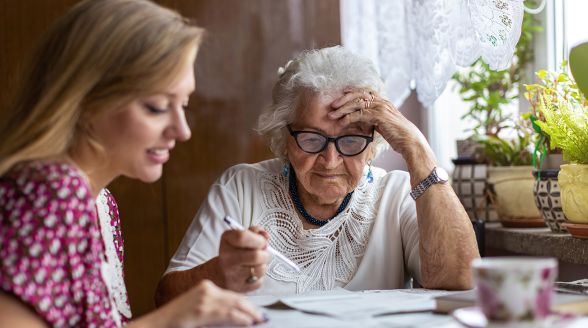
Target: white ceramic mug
{"points": [[515, 289]]}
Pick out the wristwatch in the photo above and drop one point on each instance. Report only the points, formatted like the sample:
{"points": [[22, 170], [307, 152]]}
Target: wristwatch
{"points": [[438, 175]]}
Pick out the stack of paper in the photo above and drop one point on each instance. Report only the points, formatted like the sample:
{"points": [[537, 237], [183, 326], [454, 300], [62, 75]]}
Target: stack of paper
{"points": [[354, 306], [342, 308]]}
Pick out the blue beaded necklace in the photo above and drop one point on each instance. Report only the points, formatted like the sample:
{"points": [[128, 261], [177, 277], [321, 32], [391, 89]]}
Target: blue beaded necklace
{"points": [[301, 209]]}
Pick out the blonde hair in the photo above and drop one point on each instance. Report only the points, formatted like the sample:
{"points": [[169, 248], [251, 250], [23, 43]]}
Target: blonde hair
{"points": [[92, 60], [316, 73]]}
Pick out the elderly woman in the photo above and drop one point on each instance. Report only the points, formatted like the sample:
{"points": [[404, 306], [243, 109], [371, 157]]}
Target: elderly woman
{"points": [[321, 202]]}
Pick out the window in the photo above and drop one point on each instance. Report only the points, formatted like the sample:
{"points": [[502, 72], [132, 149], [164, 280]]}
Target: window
{"points": [[564, 24], [575, 22]]}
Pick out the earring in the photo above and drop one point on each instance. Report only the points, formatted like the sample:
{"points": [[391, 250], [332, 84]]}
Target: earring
{"points": [[370, 176], [285, 170]]}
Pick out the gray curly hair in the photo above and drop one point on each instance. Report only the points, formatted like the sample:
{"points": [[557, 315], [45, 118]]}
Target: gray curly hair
{"points": [[316, 73]]}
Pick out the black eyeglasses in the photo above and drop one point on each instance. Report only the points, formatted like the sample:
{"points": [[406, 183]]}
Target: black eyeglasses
{"points": [[314, 142]]}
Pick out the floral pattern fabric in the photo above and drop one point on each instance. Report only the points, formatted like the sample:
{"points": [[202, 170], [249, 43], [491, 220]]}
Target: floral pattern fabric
{"points": [[51, 250]]}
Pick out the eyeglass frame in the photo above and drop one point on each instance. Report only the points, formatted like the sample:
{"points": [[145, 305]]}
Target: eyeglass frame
{"points": [[335, 140]]}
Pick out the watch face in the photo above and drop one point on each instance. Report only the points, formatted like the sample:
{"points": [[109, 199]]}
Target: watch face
{"points": [[442, 174]]}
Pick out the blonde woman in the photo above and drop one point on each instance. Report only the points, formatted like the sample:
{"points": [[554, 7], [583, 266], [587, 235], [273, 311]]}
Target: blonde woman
{"points": [[103, 95]]}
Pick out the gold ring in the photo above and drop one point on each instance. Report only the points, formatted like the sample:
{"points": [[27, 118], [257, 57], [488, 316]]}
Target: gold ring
{"points": [[253, 277]]}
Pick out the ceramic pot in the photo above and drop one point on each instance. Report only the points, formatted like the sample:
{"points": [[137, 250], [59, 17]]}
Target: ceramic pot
{"points": [[469, 184], [574, 192], [513, 187], [547, 199]]}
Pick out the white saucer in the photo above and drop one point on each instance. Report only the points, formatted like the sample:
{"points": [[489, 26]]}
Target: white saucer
{"points": [[473, 317]]}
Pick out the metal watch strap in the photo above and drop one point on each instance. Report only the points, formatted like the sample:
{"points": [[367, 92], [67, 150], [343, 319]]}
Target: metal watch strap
{"points": [[424, 185]]}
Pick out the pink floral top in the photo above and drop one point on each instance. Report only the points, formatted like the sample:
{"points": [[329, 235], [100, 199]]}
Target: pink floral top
{"points": [[51, 250]]}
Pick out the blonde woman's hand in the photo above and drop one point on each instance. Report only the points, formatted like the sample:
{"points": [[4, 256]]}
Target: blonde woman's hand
{"points": [[242, 259], [206, 304]]}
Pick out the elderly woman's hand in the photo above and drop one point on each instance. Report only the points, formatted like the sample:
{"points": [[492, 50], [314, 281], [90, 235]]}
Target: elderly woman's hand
{"points": [[367, 106], [403, 136], [242, 258]]}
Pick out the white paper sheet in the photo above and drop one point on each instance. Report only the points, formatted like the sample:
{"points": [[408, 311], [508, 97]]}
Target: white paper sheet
{"points": [[355, 306], [415, 320], [342, 308], [297, 319], [272, 299]]}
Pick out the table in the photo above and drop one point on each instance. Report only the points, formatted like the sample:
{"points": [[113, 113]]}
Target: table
{"points": [[284, 317], [287, 318]]}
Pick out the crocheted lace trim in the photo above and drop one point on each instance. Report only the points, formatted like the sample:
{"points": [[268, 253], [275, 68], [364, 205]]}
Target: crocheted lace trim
{"points": [[424, 40], [112, 271], [324, 255]]}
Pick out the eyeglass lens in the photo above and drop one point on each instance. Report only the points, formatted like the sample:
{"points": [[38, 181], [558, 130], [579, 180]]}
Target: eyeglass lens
{"points": [[348, 145]]}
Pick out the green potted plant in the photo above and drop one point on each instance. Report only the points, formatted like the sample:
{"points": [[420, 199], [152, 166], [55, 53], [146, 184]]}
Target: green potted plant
{"points": [[489, 91], [549, 84], [566, 122], [510, 180], [547, 159]]}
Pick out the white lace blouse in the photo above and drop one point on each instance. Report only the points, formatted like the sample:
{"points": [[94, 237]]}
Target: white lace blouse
{"points": [[372, 244]]}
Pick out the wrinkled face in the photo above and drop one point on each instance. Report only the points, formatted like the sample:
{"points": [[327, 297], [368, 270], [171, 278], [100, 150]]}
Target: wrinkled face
{"points": [[138, 138], [328, 176]]}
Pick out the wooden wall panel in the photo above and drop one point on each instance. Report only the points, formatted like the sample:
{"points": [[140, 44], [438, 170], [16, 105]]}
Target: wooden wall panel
{"points": [[21, 25]]}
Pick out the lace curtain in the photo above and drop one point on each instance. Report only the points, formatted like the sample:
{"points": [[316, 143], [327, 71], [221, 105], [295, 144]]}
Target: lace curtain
{"points": [[425, 40]]}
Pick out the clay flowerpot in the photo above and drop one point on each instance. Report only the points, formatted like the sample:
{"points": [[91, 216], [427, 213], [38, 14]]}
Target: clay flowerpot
{"points": [[513, 189], [574, 192], [547, 192]]}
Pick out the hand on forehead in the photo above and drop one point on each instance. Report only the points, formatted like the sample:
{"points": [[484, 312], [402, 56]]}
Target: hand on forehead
{"points": [[312, 114], [353, 89]]}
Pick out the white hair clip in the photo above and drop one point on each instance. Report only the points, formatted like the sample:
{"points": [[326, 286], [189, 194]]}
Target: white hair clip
{"points": [[282, 70]]}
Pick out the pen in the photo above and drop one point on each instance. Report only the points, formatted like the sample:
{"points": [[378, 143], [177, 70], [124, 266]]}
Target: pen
{"points": [[236, 226]]}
